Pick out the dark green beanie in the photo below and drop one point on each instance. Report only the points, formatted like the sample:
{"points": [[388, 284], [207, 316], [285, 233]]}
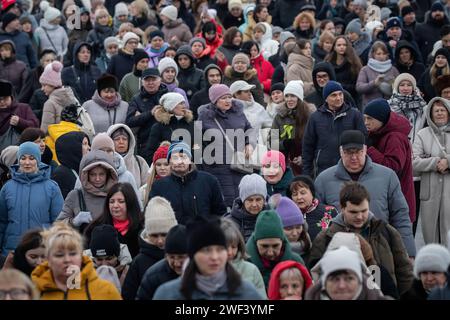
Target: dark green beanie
{"points": [[268, 225]]}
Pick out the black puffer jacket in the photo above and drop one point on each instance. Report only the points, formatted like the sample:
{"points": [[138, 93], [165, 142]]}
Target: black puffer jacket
{"points": [[201, 97], [155, 276], [427, 33], [285, 12], [120, 64], [191, 79], [97, 36], [417, 68]]}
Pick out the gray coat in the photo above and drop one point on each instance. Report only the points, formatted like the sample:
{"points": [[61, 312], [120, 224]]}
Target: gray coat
{"points": [[387, 201], [434, 186]]}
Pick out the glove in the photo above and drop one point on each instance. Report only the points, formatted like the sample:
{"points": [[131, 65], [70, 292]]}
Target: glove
{"points": [[82, 217]]}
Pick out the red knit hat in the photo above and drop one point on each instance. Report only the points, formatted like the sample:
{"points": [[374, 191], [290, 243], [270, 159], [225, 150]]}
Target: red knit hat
{"points": [[7, 3], [274, 282], [160, 153]]}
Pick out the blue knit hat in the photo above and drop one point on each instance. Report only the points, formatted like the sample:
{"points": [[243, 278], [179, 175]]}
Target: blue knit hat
{"points": [[29, 148], [378, 109], [177, 147], [289, 213], [393, 22], [331, 87]]}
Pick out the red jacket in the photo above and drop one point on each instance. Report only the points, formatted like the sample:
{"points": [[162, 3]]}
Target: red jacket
{"points": [[265, 71], [212, 45], [274, 282], [392, 148]]}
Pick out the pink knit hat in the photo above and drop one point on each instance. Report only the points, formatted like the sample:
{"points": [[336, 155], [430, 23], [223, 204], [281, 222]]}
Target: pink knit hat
{"points": [[274, 156], [52, 74], [216, 91], [102, 141]]}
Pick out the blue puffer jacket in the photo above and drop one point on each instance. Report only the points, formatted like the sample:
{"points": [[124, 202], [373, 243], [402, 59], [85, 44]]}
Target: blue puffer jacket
{"points": [[321, 139], [27, 201]]}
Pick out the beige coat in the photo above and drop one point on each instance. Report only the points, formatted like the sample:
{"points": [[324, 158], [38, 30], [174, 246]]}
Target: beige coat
{"points": [[53, 107], [434, 186], [300, 67]]}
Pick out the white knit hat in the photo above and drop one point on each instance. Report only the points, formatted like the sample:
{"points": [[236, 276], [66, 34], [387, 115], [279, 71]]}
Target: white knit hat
{"points": [[340, 259], [165, 63], [432, 257], [294, 87], [51, 14], [252, 184], [170, 12], [170, 100], [159, 216], [128, 36], [120, 9]]}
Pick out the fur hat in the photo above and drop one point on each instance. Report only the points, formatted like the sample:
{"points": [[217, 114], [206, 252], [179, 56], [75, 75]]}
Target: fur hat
{"points": [[159, 216], [203, 232], [52, 74], [170, 12], [432, 257], [107, 81], [442, 83], [252, 184], [166, 63], [170, 100]]}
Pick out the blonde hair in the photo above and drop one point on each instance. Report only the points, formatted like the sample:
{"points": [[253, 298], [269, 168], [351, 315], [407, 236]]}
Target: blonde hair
{"points": [[14, 276], [292, 273], [142, 7], [62, 236], [326, 36], [434, 70]]}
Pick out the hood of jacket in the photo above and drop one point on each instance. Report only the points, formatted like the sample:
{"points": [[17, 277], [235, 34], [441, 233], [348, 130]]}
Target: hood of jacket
{"points": [[186, 50], [322, 67], [69, 149], [209, 67], [405, 44], [163, 116], [119, 164], [301, 60], [42, 175], [362, 43], [273, 291], [63, 96], [428, 113], [436, 23], [148, 249], [396, 123], [173, 23], [91, 160], [76, 49], [247, 75], [132, 139], [48, 26]]}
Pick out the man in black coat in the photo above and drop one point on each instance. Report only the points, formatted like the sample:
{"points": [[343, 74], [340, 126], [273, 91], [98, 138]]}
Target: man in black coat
{"points": [[212, 75]]}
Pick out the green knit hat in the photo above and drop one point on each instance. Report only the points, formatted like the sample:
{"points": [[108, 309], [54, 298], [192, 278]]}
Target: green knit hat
{"points": [[268, 225]]}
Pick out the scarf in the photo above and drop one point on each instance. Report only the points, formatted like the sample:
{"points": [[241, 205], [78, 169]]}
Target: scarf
{"points": [[312, 207], [160, 50], [103, 103], [121, 226], [270, 264], [210, 284], [379, 66]]}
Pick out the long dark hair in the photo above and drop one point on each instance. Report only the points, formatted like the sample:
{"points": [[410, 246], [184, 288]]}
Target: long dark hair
{"points": [[301, 119], [349, 55], [134, 212], [229, 36], [30, 240], [188, 282]]}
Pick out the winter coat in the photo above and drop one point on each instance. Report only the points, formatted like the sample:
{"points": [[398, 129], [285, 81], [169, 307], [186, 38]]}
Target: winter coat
{"points": [[318, 218], [386, 243], [197, 193], [121, 64], [250, 272], [165, 126], [14, 71], [27, 201], [105, 114], [204, 60], [102, 62], [282, 185], [387, 201], [251, 77], [392, 148], [318, 53], [440, 293], [91, 286], [229, 51], [97, 36], [155, 276], [258, 118], [55, 104], [361, 45], [37, 102], [171, 291], [425, 86], [30, 85], [346, 78], [416, 292], [143, 102], [134, 163], [129, 86], [265, 71], [148, 255], [94, 198], [82, 78], [416, 69], [24, 47], [320, 148], [191, 79], [231, 21], [23, 111], [234, 118], [177, 29], [285, 12], [367, 87], [434, 186], [51, 36]]}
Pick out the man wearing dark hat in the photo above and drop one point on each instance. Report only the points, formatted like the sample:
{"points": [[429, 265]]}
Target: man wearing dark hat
{"points": [[212, 75], [141, 105], [428, 33], [131, 82], [11, 31], [387, 201], [167, 269], [320, 141], [409, 19]]}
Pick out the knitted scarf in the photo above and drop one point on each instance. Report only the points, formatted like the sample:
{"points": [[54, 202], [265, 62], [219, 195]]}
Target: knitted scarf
{"points": [[379, 66], [210, 284]]}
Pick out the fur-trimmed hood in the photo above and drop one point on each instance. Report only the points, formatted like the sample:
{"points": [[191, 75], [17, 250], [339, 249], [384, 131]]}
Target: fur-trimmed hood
{"points": [[163, 116], [247, 75]]}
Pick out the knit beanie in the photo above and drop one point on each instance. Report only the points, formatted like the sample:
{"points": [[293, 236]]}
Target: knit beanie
{"points": [[289, 213], [121, 9], [104, 241], [405, 76], [155, 33], [51, 13], [139, 54], [372, 25], [277, 86], [203, 232], [160, 153], [179, 147], [354, 27], [406, 10], [241, 57], [170, 100], [166, 63], [159, 216], [8, 156], [176, 240], [393, 22], [437, 6], [234, 3], [330, 87], [8, 18], [306, 180], [252, 184], [361, 3], [268, 225], [294, 87], [29, 148], [432, 257], [442, 52], [107, 81], [110, 40], [338, 260], [274, 156], [102, 141], [52, 74], [284, 36], [198, 39], [128, 36], [216, 91], [378, 109], [6, 88], [170, 12]]}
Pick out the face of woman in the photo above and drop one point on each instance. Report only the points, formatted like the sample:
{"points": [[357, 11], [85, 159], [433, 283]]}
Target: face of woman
{"points": [[14, 291], [327, 46], [330, 27], [157, 43], [277, 96], [169, 75], [405, 55], [263, 14], [180, 109], [343, 286], [254, 204], [240, 67], [254, 52], [48, 89], [291, 101], [232, 250], [291, 287], [340, 46], [224, 103], [60, 259], [98, 176], [108, 94], [211, 259], [405, 87], [85, 148], [380, 55], [441, 61], [293, 232], [302, 197], [28, 164], [304, 24], [35, 256], [307, 50], [41, 143], [118, 206], [439, 114], [162, 168], [237, 40], [272, 173], [158, 239]]}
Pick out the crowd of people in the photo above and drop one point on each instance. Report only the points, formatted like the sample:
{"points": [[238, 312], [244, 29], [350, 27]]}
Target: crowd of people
{"points": [[224, 149]]}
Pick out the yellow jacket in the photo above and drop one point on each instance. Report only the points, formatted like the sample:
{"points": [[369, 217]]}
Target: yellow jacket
{"points": [[57, 130], [91, 286]]}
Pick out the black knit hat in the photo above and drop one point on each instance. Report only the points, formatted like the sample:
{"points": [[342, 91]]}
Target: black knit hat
{"points": [[305, 180], [203, 232], [139, 54], [378, 109], [442, 52], [104, 241], [406, 10], [107, 81], [277, 86], [156, 33], [176, 240], [6, 88], [8, 18]]}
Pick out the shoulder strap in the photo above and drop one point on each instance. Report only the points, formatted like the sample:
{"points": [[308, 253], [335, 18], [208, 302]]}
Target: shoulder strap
{"points": [[444, 153], [139, 164], [225, 136], [50, 39], [81, 200]]}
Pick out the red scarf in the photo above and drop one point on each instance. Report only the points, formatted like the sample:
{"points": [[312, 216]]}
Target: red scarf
{"points": [[121, 226]]}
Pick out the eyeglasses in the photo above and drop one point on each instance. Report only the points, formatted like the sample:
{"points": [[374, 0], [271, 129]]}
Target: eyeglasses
{"points": [[16, 294], [353, 152]]}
